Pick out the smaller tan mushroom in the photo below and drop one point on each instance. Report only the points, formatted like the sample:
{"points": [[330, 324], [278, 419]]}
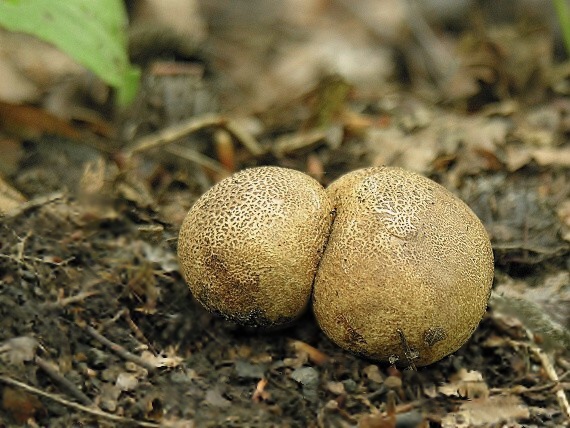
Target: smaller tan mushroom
{"points": [[407, 271], [250, 246]]}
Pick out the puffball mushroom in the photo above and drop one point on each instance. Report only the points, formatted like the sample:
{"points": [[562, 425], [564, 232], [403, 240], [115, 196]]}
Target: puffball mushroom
{"points": [[404, 272], [250, 246], [407, 270]]}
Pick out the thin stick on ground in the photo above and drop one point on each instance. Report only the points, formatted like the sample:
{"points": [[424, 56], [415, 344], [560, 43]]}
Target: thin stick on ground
{"points": [[119, 350], [553, 376], [137, 331], [174, 133], [198, 158], [65, 384], [92, 411], [61, 303], [245, 138], [408, 353], [35, 203]]}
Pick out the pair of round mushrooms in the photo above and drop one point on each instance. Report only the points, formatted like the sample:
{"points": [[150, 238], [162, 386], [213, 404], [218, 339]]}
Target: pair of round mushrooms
{"points": [[396, 266]]}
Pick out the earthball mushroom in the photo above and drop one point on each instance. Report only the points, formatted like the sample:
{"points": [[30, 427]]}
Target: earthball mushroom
{"points": [[407, 270], [250, 246]]}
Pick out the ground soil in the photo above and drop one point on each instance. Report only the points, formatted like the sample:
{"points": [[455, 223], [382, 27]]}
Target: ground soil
{"points": [[92, 256]]}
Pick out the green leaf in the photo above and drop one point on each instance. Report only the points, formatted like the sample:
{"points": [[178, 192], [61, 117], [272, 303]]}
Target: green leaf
{"points": [[90, 31], [563, 13]]}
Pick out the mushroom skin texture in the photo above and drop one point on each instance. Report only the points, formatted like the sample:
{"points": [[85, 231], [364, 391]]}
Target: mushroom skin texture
{"points": [[250, 246], [407, 270]]}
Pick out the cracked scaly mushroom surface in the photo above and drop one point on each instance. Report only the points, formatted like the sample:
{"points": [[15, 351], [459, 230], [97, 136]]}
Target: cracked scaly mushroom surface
{"points": [[404, 254]]}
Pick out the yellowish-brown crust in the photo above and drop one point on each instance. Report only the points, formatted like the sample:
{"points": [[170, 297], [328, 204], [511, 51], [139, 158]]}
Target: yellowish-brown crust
{"points": [[404, 253], [250, 246]]}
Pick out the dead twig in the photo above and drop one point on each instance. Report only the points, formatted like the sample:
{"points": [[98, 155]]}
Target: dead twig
{"points": [[115, 318], [553, 376], [548, 368], [314, 355], [119, 350], [90, 410], [137, 331], [562, 362], [245, 138], [297, 142], [174, 133], [68, 386], [521, 389], [410, 354], [20, 260], [198, 158], [38, 260], [35, 203], [61, 303]]}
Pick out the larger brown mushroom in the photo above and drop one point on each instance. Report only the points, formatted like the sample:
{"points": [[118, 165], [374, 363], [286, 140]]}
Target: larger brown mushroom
{"points": [[407, 271]]}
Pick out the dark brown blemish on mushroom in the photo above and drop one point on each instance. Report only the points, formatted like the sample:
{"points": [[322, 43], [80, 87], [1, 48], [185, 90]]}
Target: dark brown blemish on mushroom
{"points": [[433, 335], [351, 335], [237, 292]]}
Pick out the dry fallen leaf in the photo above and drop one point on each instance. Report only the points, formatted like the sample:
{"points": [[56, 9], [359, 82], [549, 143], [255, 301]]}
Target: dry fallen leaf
{"points": [[10, 198], [517, 157], [20, 405], [563, 212], [372, 372], [174, 422], [31, 122], [160, 361], [543, 309], [109, 396], [215, 399], [126, 381], [30, 67], [18, 349], [466, 383], [487, 411], [11, 152], [337, 388]]}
